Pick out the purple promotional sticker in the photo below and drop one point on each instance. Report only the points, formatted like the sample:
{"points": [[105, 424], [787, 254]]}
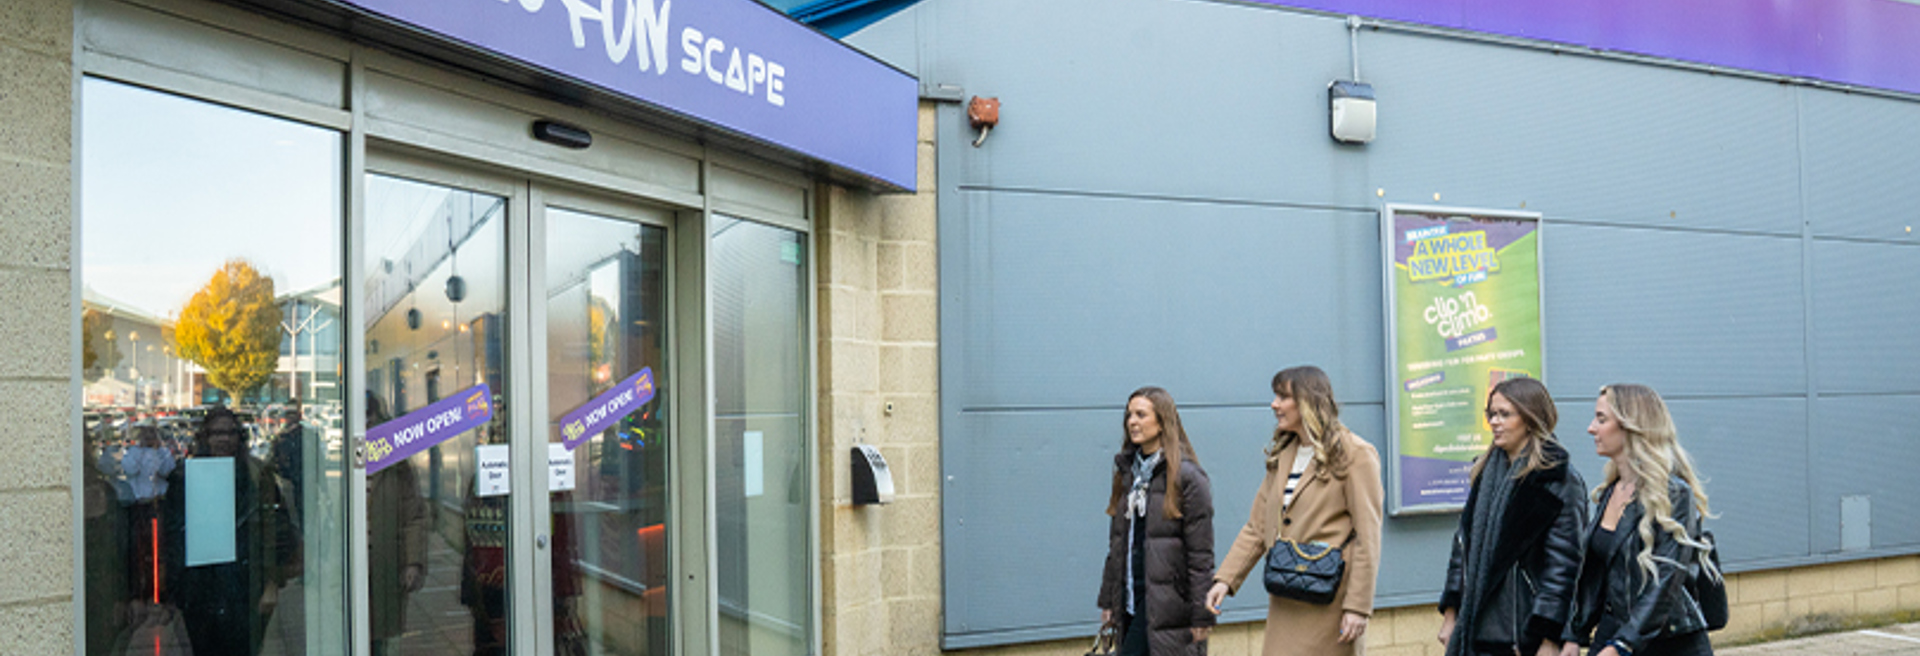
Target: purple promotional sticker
{"points": [[607, 409], [419, 430]]}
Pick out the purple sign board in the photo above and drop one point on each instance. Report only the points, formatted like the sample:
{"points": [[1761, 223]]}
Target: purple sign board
{"points": [[607, 409], [419, 430], [1869, 43], [736, 64]]}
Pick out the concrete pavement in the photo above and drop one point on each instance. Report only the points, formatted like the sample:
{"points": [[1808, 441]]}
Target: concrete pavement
{"points": [[1899, 639]]}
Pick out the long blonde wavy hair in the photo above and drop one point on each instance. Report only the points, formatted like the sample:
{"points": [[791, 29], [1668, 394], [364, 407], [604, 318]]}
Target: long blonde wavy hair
{"points": [[1654, 453], [1320, 427]]}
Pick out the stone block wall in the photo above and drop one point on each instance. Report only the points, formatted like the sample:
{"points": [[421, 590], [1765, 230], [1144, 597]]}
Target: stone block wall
{"points": [[879, 385], [36, 290]]}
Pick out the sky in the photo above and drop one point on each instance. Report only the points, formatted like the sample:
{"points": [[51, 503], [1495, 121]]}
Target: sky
{"points": [[171, 188]]}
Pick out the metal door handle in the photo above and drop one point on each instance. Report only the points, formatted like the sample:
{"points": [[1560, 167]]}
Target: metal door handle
{"points": [[540, 541]]}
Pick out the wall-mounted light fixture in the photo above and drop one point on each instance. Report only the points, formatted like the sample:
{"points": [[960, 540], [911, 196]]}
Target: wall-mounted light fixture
{"points": [[562, 134], [1353, 111], [1352, 100]]}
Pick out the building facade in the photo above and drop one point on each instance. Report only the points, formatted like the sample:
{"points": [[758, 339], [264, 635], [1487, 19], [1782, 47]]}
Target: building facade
{"points": [[522, 355], [356, 196], [1721, 215]]}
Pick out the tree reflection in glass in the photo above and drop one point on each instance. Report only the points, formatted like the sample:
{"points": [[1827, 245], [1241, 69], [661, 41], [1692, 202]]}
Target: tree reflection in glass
{"points": [[213, 505]]}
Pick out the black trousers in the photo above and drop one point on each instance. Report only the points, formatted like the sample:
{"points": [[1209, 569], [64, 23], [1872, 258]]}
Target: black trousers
{"points": [[1686, 644], [1135, 641]]}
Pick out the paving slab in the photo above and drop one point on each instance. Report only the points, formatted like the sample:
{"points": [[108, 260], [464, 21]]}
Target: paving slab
{"points": [[1898, 640]]}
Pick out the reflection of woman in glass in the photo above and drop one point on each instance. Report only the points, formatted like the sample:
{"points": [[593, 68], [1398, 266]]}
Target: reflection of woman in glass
{"points": [[397, 541], [226, 604], [1633, 596], [1510, 579], [108, 594]]}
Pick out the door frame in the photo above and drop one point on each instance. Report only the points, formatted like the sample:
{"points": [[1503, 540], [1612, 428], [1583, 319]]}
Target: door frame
{"points": [[388, 105], [528, 196]]}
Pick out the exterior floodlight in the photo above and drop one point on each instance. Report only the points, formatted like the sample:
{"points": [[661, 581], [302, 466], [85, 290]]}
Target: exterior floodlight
{"points": [[1353, 111]]}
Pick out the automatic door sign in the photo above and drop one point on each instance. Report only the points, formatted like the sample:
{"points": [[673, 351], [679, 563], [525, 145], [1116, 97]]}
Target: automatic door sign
{"points": [[607, 409], [421, 429]]}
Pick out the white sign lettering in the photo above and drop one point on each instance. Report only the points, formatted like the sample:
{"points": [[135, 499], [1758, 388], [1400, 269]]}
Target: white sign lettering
{"points": [[640, 27]]}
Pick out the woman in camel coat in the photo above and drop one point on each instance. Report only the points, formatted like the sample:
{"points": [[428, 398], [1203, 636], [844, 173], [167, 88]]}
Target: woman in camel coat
{"points": [[1336, 499]]}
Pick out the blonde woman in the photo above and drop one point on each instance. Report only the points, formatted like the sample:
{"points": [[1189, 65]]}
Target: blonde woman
{"points": [[1322, 485], [1632, 597]]}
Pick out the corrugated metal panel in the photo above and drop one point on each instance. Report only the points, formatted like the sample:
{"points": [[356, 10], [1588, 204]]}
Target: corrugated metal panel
{"points": [[1752, 453], [1084, 296], [1867, 445], [1689, 313], [1867, 316], [1581, 138], [1861, 166], [1024, 529], [1162, 204], [1149, 96]]}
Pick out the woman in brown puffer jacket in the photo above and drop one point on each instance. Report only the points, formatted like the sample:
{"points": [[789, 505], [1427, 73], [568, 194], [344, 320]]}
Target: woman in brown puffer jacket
{"points": [[1160, 546]]}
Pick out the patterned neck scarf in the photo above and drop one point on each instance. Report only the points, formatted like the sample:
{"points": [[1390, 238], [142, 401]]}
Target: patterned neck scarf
{"points": [[1142, 475]]}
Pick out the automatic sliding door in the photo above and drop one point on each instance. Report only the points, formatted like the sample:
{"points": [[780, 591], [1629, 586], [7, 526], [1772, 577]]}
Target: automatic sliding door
{"points": [[606, 320], [437, 433]]}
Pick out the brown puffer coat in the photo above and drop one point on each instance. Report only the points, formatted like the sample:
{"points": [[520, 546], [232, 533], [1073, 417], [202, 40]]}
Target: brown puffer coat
{"points": [[1179, 560]]}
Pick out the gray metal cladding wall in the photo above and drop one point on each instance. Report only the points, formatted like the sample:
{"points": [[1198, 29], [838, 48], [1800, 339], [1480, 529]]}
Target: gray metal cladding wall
{"points": [[1162, 205]]}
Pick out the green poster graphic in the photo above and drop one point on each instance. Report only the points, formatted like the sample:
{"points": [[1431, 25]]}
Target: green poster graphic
{"points": [[1463, 314]]}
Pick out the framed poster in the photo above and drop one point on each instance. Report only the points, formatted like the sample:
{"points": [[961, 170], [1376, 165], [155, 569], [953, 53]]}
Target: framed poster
{"points": [[1463, 294]]}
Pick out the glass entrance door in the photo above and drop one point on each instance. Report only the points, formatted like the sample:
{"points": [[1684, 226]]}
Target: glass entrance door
{"points": [[607, 434], [488, 532], [438, 490]]}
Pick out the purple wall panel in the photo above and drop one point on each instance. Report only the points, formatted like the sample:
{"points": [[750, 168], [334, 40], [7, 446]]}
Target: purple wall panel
{"points": [[1871, 43]]}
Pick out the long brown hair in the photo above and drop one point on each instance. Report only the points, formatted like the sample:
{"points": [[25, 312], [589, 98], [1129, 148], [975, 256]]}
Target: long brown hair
{"points": [[1535, 406], [1320, 427], [1173, 443]]}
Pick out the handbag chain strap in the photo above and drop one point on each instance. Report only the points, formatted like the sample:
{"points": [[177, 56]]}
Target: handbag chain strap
{"points": [[1304, 555]]}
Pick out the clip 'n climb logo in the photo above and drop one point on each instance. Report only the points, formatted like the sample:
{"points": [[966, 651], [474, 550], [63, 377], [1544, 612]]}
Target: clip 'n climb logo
{"points": [[644, 384], [477, 402]]}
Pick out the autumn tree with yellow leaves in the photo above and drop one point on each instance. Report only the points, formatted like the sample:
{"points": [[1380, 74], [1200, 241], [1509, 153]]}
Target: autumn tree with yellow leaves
{"points": [[231, 328], [98, 351]]}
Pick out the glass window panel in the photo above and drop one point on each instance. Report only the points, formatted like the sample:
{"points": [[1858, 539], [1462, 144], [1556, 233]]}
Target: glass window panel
{"points": [[762, 486], [606, 322], [214, 501], [437, 314]]}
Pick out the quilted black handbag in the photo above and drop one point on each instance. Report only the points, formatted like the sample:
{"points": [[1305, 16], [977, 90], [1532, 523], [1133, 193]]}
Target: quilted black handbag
{"points": [[1309, 572]]}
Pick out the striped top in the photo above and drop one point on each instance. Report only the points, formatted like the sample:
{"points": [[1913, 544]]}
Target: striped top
{"points": [[1300, 460]]}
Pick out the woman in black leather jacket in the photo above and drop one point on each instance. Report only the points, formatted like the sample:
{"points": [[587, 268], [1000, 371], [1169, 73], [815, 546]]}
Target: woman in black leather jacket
{"points": [[1515, 556], [1632, 596]]}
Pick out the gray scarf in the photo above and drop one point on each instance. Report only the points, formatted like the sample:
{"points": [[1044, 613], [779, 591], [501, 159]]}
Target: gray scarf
{"points": [[1142, 476], [1489, 509]]}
